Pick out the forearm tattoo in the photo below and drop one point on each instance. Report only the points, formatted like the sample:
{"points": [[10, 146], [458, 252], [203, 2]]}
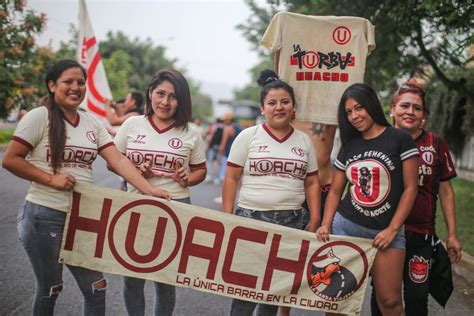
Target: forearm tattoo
{"points": [[317, 129]]}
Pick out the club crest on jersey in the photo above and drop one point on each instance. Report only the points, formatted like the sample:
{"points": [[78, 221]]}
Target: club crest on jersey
{"points": [[427, 157], [91, 137], [418, 268], [175, 143], [297, 151], [370, 182]]}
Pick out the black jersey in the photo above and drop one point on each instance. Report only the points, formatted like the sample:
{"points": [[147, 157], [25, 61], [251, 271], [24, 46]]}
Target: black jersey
{"points": [[373, 168]]}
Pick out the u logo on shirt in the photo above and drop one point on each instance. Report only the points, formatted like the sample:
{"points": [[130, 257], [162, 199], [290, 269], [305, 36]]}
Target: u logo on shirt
{"points": [[91, 137], [370, 182], [175, 143]]}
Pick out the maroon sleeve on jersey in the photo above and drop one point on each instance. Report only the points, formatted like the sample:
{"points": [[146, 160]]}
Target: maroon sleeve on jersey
{"points": [[198, 166], [448, 171], [23, 142], [106, 145], [309, 174], [231, 164]]}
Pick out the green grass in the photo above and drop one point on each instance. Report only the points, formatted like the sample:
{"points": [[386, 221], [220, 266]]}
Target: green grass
{"points": [[464, 195], [6, 135]]}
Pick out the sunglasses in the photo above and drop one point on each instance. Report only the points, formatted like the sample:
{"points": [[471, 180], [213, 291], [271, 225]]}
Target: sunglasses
{"points": [[407, 87]]}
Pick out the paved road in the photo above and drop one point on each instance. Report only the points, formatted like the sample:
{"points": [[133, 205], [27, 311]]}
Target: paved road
{"points": [[17, 279]]}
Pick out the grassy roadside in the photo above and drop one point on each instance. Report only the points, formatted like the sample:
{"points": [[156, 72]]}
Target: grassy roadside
{"points": [[464, 195], [6, 135]]}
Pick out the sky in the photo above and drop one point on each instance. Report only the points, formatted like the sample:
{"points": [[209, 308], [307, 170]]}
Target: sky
{"points": [[200, 34]]}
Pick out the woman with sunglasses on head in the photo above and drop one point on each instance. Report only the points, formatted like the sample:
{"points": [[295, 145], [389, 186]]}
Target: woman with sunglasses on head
{"points": [[436, 169], [380, 164], [170, 154], [53, 146], [272, 194]]}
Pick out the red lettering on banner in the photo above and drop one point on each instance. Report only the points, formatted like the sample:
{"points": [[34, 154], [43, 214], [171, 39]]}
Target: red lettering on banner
{"points": [[192, 249], [157, 241], [293, 266], [77, 222], [160, 207], [324, 76], [239, 278]]}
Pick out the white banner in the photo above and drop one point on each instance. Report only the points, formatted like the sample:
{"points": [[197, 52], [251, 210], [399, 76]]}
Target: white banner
{"points": [[190, 246], [88, 55]]}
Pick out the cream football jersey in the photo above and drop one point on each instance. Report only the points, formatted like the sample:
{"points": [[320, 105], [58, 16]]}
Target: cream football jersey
{"points": [[141, 140], [274, 169], [85, 138], [320, 56]]}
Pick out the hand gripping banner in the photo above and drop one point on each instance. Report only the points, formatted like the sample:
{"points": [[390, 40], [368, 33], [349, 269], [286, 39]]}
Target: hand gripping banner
{"points": [[190, 246], [88, 55]]}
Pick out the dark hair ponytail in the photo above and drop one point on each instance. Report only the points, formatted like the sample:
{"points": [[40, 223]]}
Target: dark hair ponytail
{"points": [[57, 127], [269, 80]]}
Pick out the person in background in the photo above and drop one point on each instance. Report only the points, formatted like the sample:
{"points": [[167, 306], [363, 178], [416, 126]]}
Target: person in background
{"points": [[273, 195], [231, 130], [435, 171], [380, 163], [132, 106], [214, 139], [36, 153], [118, 112], [197, 125], [179, 162]]}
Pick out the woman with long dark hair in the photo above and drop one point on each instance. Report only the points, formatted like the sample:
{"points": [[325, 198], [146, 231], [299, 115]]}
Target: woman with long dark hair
{"points": [[170, 154], [380, 163], [54, 146]]}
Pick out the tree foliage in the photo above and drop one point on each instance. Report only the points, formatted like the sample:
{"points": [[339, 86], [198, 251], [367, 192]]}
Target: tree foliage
{"points": [[425, 38], [21, 61], [144, 57]]}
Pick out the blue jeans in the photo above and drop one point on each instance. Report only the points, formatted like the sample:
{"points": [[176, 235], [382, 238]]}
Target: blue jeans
{"points": [[134, 296], [291, 218], [41, 230], [223, 167], [345, 227]]}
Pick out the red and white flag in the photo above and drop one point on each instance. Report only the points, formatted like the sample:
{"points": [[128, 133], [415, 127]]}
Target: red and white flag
{"points": [[88, 55]]}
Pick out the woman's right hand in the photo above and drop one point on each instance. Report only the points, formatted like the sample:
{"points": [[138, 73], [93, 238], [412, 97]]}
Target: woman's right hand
{"points": [[322, 233], [145, 170], [159, 193], [62, 181]]}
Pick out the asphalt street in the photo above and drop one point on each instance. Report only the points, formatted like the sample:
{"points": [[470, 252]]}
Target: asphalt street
{"points": [[17, 281]]}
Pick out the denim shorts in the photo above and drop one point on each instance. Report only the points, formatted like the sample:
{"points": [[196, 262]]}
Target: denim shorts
{"points": [[345, 227], [290, 218]]}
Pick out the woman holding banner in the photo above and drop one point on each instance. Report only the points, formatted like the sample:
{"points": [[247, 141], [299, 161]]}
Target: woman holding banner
{"points": [[272, 194], [54, 146], [425, 254], [170, 154], [380, 163]]}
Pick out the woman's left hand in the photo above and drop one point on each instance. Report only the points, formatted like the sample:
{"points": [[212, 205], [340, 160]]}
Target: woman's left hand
{"points": [[179, 175], [311, 227], [454, 249], [384, 238]]}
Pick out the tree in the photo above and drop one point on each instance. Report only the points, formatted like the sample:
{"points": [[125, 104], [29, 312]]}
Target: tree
{"points": [[118, 69], [144, 57], [21, 62]]}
